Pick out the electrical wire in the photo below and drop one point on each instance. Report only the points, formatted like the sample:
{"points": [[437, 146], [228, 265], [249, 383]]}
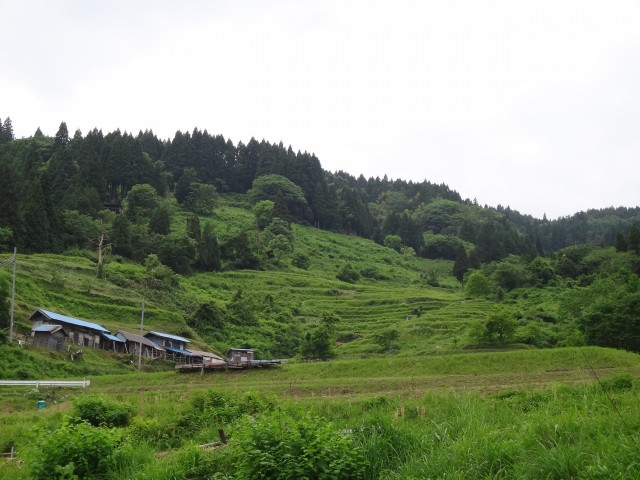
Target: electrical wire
{"points": [[606, 392]]}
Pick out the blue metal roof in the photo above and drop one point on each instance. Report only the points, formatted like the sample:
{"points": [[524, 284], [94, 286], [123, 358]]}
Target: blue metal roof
{"points": [[171, 337], [186, 353], [73, 321], [113, 338]]}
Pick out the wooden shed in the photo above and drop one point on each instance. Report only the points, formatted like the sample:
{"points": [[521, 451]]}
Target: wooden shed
{"points": [[206, 358], [49, 336], [112, 343], [241, 355], [133, 342]]}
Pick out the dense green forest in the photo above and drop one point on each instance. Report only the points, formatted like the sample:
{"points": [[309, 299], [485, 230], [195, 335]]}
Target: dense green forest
{"points": [[52, 186]]}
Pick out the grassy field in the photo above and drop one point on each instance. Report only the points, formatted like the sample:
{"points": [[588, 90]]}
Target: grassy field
{"points": [[564, 413]]}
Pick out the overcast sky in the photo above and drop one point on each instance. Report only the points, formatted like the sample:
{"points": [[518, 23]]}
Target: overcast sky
{"points": [[534, 104]]}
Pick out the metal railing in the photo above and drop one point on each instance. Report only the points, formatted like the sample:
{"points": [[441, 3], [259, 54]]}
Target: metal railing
{"points": [[45, 383]]}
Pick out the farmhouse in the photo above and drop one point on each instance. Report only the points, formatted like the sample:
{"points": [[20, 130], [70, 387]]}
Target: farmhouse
{"points": [[175, 346], [80, 332], [132, 343]]}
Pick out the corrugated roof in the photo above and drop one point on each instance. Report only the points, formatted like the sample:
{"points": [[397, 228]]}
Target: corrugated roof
{"points": [[70, 320], [132, 337], [186, 353], [171, 337], [199, 353], [47, 328], [112, 338]]}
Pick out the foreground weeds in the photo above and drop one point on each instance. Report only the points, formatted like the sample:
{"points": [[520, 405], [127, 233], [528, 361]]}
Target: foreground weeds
{"points": [[589, 431]]}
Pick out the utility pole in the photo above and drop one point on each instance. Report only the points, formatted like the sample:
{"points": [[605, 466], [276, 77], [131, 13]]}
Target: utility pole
{"points": [[141, 324], [13, 292]]}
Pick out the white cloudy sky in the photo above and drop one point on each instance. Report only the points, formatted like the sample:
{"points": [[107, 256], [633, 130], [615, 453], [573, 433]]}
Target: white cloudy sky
{"points": [[531, 104]]}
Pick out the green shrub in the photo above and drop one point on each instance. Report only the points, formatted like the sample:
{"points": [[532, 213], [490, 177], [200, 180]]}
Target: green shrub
{"points": [[279, 446], [348, 274], [74, 451], [301, 260], [100, 411], [617, 383]]}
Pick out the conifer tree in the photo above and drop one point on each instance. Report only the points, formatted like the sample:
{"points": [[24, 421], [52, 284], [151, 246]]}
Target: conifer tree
{"points": [[209, 249]]}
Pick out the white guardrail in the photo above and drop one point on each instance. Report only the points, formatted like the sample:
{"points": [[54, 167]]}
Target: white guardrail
{"points": [[45, 383]]}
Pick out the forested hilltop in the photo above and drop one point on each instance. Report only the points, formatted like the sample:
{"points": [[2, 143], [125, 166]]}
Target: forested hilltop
{"points": [[50, 185]]}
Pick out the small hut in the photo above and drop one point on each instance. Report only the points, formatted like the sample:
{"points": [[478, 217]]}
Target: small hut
{"points": [[241, 356], [49, 336], [112, 343], [206, 358]]}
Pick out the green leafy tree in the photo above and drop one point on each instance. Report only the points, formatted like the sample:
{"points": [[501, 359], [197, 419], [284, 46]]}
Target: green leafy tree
{"points": [[209, 318], [178, 252], [279, 247], [263, 211], [512, 273], [202, 198], [120, 237], [498, 328], [477, 285], [461, 264], [239, 252], [160, 221], [301, 260], [608, 312], [542, 271], [183, 185], [394, 242], [141, 201], [387, 338], [272, 187], [193, 227]]}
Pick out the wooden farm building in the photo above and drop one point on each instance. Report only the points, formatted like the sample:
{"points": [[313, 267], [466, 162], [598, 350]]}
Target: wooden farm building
{"points": [[112, 343], [49, 336], [175, 347], [133, 342], [240, 355], [206, 358], [80, 332]]}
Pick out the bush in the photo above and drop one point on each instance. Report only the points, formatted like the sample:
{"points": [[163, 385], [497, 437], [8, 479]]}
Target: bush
{"points": [[74, 452], [278, 446], [100, 411], [348, 274], [618, 383], [300, 260]]}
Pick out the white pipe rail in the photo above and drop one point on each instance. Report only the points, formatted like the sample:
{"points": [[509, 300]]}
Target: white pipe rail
{"points": [[45, 383]]}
